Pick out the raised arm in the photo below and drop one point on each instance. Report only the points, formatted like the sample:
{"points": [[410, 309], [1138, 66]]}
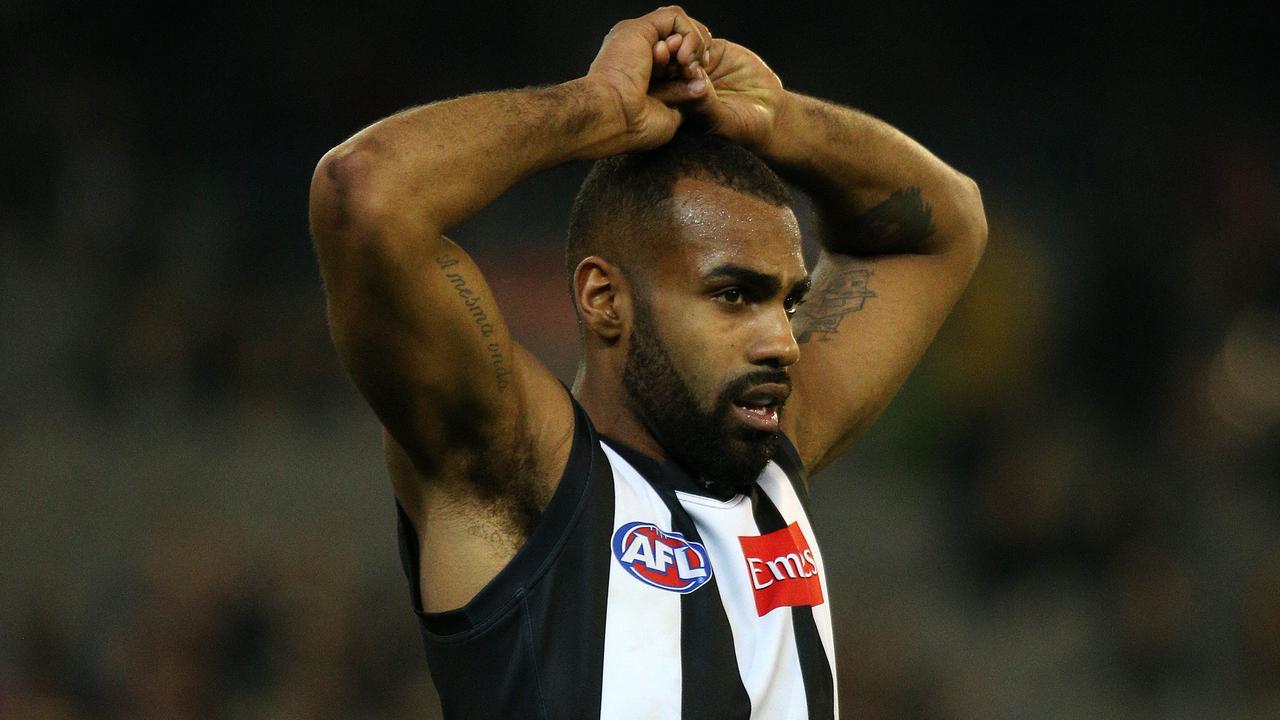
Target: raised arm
{"points": [[901, 235], [469, 415], [412, 318]]}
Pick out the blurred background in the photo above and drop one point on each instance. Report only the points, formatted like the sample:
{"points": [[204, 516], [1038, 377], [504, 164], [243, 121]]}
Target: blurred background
{"points": [[1072, 510]]}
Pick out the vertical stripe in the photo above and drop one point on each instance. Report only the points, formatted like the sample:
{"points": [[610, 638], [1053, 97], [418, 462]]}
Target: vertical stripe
{"points": [[711, 686], [568, 610], [782, 491], [765, 648], [788, 458], [642, 676], [816, 665]]}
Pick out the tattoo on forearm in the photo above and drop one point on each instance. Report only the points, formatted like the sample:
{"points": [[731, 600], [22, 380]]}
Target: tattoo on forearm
{"points": [[903, 222], [471, 299], [840, 294]]}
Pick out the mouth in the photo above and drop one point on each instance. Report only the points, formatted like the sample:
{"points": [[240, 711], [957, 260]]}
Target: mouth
{"points": [[759, 407]]}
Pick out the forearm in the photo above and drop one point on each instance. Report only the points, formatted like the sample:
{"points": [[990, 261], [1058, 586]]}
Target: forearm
{"points": [[433, 166], [877, 191]]}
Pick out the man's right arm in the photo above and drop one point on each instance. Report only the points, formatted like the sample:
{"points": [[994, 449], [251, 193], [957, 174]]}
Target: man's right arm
{"points": [[412, 318]]}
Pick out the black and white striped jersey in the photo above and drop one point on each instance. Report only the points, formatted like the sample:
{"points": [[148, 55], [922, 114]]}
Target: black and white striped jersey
{"points": [[639, 595]]}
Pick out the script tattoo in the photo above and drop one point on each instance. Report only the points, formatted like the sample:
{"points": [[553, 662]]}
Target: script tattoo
{"points": [[835, 296], [471, 299]]}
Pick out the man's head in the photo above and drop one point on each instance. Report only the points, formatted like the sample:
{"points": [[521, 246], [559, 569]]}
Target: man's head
{"points": [[685, 263]]}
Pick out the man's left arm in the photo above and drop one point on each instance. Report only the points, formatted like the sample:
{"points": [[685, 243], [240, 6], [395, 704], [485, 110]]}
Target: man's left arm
{"points": [[901, 235]]}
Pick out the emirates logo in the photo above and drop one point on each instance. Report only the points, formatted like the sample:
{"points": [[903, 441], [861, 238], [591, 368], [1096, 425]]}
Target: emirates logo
{"points": [[782, 569]]}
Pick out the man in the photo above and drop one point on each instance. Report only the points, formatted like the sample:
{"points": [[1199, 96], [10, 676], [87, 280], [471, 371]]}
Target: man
{"points": [[638, 548]]}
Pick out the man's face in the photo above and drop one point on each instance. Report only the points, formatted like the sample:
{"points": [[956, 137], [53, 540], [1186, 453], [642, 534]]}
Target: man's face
{"points": [[706, 368]]}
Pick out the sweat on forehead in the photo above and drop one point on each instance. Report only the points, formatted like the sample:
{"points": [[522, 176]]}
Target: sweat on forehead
{"points": [[624, 205], [703, 219]]}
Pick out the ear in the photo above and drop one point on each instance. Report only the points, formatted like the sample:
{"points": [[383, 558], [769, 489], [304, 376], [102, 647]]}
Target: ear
{"points": [[601, 294]]}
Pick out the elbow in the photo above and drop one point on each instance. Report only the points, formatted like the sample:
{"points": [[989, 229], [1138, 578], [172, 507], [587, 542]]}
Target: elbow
{"points": [[973, 218], [346, 192]]}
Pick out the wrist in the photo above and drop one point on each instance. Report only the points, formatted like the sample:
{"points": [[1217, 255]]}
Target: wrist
{"points": [[782, 144], [597, 124]]}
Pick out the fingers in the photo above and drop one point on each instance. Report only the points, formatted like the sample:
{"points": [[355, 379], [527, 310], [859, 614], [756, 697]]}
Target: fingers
{"points": [[714, 63], [666, 44], [707, 42], [664, 56], [681, 59], [694, 34], [681, 91], [687, 41], [661, 54], [659, 123], [673, 42]]}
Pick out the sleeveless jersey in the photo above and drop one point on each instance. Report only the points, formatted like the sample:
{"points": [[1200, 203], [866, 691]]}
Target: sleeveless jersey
{"points": [[640, 595]]}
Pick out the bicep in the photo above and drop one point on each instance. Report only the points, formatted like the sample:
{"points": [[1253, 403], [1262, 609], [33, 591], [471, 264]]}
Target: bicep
{"points": [[418, 330], [864, 326]]}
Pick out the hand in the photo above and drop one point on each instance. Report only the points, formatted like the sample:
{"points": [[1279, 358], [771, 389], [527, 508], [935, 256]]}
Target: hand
{"points": [[744, 98], [664, 44]]}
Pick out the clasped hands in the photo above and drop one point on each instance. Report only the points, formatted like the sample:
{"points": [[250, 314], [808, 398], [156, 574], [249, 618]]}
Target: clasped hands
{"points": [[666, 69]]}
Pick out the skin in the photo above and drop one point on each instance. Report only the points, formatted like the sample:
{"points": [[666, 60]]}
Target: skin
{"points": [[477, 431], [714, 331], [724, 283]]}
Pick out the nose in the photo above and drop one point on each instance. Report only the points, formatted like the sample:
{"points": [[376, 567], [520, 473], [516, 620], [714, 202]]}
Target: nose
{"points": [[775, 345]]}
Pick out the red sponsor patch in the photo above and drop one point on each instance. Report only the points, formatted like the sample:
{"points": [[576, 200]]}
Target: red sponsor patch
{"points": [[782, 569]]}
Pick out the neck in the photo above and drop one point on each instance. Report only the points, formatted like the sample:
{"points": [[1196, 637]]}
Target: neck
{"points": [[602, 395]]}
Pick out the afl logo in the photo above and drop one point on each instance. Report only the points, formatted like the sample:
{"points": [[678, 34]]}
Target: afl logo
{"points": [[664, 560]]}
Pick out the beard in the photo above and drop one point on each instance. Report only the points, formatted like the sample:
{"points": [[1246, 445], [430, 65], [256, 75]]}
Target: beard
{"points": [[723, 455]]}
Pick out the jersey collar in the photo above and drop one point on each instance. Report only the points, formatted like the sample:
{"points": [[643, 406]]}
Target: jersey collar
{"points": [[664, 473]]}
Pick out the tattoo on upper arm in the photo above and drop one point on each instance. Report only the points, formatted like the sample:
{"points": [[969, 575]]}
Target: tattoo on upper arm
{"points": [[484, 325], [839, 294], [903, 222]]}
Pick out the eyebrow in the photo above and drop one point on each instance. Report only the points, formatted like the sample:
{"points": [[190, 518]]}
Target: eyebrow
{"points": [[759, 282]]}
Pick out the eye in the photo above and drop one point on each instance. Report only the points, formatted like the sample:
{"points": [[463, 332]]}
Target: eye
{"points": [[792, 304], [733, 296]]}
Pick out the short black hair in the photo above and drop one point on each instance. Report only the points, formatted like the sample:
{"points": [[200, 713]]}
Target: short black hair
{"points": [[619, 212]]}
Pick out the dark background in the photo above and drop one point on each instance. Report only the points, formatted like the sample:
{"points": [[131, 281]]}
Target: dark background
{"points": [[1070, 511]]}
